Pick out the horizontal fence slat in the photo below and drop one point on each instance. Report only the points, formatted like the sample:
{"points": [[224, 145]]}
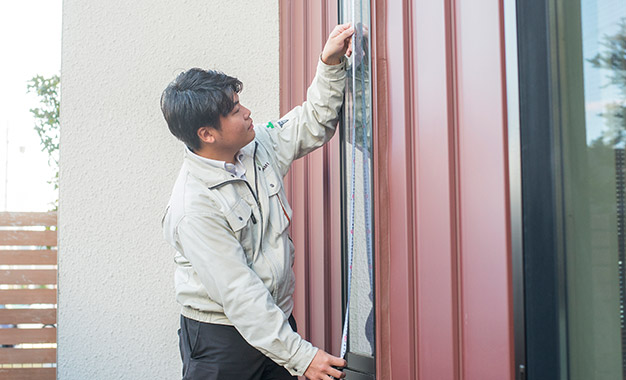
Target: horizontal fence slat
{"points": [[27, 355], [28, 276], [28, 373], [18, 336], [20, 238], [15, 316], [28, 296], [28, 218], [28, 257]]}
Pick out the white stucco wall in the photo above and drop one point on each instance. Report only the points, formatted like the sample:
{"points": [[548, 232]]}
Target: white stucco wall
{"points": [[117, 314]]}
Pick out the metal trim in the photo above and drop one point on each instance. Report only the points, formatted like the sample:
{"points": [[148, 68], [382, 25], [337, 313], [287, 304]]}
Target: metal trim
{"points": [[351, 375], [515, 185], [361, 363]]}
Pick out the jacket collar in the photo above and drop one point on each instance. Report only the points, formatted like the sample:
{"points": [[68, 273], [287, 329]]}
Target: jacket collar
{"points": [[212, 175]]}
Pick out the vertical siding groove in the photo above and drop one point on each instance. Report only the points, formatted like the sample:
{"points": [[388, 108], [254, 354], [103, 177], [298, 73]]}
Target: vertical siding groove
{"points": [[307, 217], [332, 216], [327, 250], [455, 178], [326, 212], [328, 331], [507, 192], [412, 175], [380, 107]]}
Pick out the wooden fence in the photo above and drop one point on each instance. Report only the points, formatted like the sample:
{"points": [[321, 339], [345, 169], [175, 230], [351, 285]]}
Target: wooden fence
{"points": [[28, 295]]}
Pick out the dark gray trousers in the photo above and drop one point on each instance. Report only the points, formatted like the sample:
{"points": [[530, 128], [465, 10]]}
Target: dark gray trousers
{"points": [[218, 352]]}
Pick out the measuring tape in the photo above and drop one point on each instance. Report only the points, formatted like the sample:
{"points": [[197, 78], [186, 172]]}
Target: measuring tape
{"points": [[366, 181]]}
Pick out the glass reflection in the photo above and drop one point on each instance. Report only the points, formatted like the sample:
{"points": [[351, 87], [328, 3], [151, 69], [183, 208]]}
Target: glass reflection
{"points": [[593, 134]]}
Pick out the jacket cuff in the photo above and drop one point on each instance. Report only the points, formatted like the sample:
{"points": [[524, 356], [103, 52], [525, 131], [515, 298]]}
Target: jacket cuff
{"points": [[300, 361], [332, 71]]}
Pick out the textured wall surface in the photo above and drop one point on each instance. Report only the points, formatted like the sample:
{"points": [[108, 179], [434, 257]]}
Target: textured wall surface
{"points": [[117, 313]]}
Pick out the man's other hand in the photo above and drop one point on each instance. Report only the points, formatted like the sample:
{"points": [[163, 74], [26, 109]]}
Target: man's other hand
{"points": [[338, 44], [321, 368]]}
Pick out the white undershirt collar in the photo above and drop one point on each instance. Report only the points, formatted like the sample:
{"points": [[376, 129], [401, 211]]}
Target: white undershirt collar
{"points": [[238, 169]]}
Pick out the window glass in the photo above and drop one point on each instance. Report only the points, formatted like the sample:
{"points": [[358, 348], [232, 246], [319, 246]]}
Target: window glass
{"points": [[356, 148], [592, 118]]}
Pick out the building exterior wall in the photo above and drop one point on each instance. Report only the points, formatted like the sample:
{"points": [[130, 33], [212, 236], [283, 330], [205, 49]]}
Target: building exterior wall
{"points": [[441, 198], [117, 315]]}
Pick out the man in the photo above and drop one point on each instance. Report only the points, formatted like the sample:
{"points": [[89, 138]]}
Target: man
{"points": [[228, 220]]}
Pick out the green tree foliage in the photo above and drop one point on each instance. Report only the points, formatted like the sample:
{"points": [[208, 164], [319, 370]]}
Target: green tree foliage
{"points": [[47, 119], [613, 58]]}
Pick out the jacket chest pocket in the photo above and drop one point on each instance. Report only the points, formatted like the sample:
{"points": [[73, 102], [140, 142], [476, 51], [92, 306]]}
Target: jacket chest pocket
{"points": [[239, 218], [280, 210]]}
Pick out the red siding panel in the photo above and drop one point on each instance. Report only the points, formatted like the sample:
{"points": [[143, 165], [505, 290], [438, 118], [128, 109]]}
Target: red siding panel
{"points": [[399, 162], [442, 234], [313, 182], [434, 175], [382, 240], [484, 212]]}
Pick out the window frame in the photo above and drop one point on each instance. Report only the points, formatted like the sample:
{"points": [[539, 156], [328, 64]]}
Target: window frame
{"points": [[541, 315]]}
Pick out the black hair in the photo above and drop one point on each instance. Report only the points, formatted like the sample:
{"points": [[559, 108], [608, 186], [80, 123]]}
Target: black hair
{"points": [[196, 99]]}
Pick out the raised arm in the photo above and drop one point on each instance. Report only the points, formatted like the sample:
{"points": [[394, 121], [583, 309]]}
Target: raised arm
{"points": [[310, 125]]}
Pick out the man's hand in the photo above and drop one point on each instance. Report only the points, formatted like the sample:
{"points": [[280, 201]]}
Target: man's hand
{"points": [[321, 367], [338, 44]]}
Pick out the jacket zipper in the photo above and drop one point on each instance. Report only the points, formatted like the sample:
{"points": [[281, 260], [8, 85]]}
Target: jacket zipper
{"points": [[258, 204], [269, 259], [256, 199]]}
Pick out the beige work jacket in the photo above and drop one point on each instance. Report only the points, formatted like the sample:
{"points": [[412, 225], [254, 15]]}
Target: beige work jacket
{"points": [[233, 251]]}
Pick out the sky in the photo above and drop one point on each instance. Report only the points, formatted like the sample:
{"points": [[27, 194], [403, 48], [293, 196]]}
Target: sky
{"points": [[30, 41]]}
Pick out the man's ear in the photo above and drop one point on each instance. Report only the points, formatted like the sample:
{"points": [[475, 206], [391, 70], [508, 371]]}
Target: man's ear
{"points": [[206, 134]]}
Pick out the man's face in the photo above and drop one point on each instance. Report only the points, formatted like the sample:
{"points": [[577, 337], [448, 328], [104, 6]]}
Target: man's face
{"points": [[236, 128]]}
